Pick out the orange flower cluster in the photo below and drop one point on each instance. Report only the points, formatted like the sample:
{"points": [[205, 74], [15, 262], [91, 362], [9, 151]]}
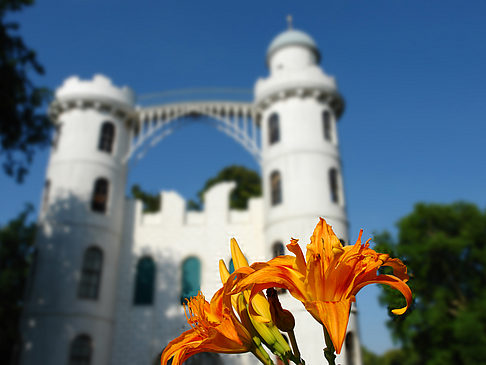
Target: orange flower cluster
{"points": [[239, 317]]}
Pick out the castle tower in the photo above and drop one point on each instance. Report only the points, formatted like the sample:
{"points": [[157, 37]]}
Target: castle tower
{"points": [[69, 314], [301, 167]]}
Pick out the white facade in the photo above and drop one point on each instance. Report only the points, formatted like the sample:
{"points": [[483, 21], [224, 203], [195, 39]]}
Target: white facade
{"points": [[75, 306]]}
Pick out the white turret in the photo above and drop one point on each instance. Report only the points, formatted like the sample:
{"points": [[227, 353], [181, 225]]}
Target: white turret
{"points": [[72, 302], [301, 167]]}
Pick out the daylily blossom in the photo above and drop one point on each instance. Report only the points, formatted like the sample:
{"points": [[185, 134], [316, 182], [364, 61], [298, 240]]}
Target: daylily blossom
{"points": [[215, 328], [328, 278]]}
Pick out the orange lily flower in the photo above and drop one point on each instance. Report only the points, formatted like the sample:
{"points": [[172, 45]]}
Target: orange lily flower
{"points": [[215, 328], [328, 278]]}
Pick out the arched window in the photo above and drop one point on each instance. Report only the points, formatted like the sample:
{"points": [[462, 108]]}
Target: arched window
{"points": [[326, 124], [144, 281], [191, 278], [333, 185], [91, 273], [273, 129], [81, 351], [107, 137], [350, 350], [34, 257], [45, 198], [204, 358], [275, 188], [278, 249], [57, 135], [100, 195]]}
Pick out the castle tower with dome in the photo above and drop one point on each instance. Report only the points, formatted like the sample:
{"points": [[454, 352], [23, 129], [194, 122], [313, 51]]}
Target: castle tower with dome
{"points": [[109, 279]]}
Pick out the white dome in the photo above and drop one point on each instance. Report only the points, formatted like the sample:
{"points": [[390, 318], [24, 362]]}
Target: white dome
{"points": [[292, 37]]}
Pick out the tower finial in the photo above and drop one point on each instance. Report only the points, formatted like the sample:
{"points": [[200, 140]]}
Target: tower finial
{"points": [[289, 21]]}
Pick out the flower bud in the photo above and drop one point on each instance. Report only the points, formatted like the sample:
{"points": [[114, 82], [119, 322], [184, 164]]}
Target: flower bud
{"points": [[283, 319]]}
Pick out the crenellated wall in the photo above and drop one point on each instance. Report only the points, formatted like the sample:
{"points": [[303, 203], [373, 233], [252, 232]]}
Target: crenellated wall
{"points": [[169, 237]]}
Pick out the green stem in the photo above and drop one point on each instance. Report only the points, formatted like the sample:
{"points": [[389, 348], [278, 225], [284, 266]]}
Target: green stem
{"points": [[293, 342], [329, 351], [261, 354]]}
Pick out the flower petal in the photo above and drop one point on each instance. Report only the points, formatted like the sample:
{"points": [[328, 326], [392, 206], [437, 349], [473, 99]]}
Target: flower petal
{"points": [[334, 316]]}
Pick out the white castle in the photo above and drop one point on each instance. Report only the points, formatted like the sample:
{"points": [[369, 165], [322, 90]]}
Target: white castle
{"points": [[108, 278]]}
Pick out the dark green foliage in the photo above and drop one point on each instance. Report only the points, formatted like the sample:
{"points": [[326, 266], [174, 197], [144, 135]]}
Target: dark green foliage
{"points": [[23, 127], [248, 185], [391, 357], [16, 240], [444, 247], [151, 202]]}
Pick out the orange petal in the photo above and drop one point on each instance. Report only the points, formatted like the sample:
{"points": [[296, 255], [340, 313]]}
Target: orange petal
{"points": [[300, 264], [334, 316], [395, 283]]}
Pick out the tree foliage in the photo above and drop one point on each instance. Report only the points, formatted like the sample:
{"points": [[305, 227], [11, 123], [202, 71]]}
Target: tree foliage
{"points": [[248, 185], [444, 247], [391, 357], [23, 126], [151, 202], [16, 240]]}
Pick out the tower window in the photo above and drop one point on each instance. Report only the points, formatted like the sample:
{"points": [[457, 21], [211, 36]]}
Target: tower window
{"points": [[273, 128], [191, 278], [326, 123], [107, 137], [81, 350], [350, 349], [45, 198], [333, 185], [100, 195], [276, 188], [90, 273], [144, 281], [57, 135], [278, 249]]}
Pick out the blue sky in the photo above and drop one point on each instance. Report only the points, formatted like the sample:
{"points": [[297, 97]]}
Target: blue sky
{"points": [[412, 74]]}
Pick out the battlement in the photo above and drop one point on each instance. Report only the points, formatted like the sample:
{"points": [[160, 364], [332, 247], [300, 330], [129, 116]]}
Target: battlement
{"points": [[173, 212], [100, 87]]}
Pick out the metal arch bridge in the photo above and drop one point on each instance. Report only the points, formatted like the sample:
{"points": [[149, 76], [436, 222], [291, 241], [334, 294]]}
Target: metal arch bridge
{"points": [[239, 120]]}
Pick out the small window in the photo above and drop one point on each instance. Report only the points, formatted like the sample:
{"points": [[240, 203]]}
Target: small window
{"points": [[107, 137], [191, 278], [45, 198], [273, 128], [144, 281], [350, 349], [91, 274], [333, 185], [100, 195], [326, 122], [57, 135], [33, 259], [276, 188], [278, 249], [81, 351]]}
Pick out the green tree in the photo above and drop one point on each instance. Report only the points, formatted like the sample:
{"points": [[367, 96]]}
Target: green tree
{"points": [[248, 184], [23, 125], [444, 247], [16, 240], [151, 202], [391, 357]]}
